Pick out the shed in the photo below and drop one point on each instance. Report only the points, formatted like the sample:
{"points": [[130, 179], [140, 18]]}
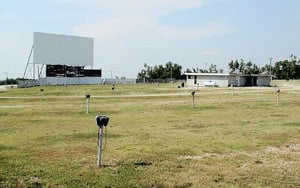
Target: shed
{"points": [[225, 80]]}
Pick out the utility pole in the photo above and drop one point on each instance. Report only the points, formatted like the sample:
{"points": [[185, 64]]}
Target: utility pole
{"points": [[171, 72], [6, 73], [270, 65]]}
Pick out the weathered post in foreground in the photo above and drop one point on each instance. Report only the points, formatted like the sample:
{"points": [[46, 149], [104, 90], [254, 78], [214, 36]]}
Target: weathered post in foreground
{"points": [[101, 122], [87, 96], [193, 98], [277, 96]]}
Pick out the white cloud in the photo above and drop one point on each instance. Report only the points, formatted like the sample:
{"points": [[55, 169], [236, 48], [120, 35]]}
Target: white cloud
{"points": [[108, 29], [147, 25], [115, 28], [211, 30], [135, 37], [123, 17]]}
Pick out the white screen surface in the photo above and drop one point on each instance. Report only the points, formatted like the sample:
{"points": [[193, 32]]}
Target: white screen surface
{"points": [[62, 49]]}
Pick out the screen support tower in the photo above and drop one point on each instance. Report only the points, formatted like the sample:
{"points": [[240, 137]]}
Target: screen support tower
{"points": [[31, 68]]}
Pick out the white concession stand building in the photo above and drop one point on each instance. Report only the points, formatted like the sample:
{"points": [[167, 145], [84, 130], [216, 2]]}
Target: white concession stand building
{"points": [[226, 80]]}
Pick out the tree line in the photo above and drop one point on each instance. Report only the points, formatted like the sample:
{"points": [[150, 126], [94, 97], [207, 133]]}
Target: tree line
{"points": [[168, 71], [287, 69], [9, 81], [283, 69]]}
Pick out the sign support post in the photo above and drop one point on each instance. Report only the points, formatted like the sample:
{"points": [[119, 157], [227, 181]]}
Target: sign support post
{"points": [[193, 98], [87, 96], [100, 136], [101, 122]]}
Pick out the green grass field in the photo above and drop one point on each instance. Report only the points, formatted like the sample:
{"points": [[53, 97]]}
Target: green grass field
{"points": [[155, 138]]}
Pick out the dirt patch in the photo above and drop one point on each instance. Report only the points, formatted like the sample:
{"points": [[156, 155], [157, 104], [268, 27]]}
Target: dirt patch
{"points": [[287, 149], [275, 136], [2, 88], [15, 106], [55, 154], [287, 156], [5, 87]]}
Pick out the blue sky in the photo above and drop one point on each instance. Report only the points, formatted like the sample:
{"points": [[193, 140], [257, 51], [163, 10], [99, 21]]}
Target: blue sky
{"points": [[129, 33]]}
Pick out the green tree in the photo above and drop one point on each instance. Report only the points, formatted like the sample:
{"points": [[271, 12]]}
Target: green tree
{"points": [[255, 69], [233, 66], [213, 68], [169, 70], [287, 69], [248, 69], [266, 69], [236, 65], [243, 67], [145, 73], [196, 70]]}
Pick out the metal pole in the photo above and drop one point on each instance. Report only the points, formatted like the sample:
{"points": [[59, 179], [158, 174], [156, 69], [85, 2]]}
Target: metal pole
{"points": [[87, 105], [100, 132], [33, 71], [28, 61], [193, 101], [6, 82], [277, 97], [193, 98], [270, 65], [40, 72]]}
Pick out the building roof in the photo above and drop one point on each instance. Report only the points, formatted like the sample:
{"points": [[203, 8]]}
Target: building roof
{"points": [[205, 74], [222, 74]]}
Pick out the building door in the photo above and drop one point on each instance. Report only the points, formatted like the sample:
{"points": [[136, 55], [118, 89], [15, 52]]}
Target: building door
{"points": [[195, 80], [251, 81], [254, 81]]}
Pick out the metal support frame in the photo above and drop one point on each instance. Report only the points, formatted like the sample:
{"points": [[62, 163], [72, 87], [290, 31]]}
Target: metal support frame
{"points": [[101, 122], [87, 105], [28, 62], [87, 96], [100, 136], [40, 71]]}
